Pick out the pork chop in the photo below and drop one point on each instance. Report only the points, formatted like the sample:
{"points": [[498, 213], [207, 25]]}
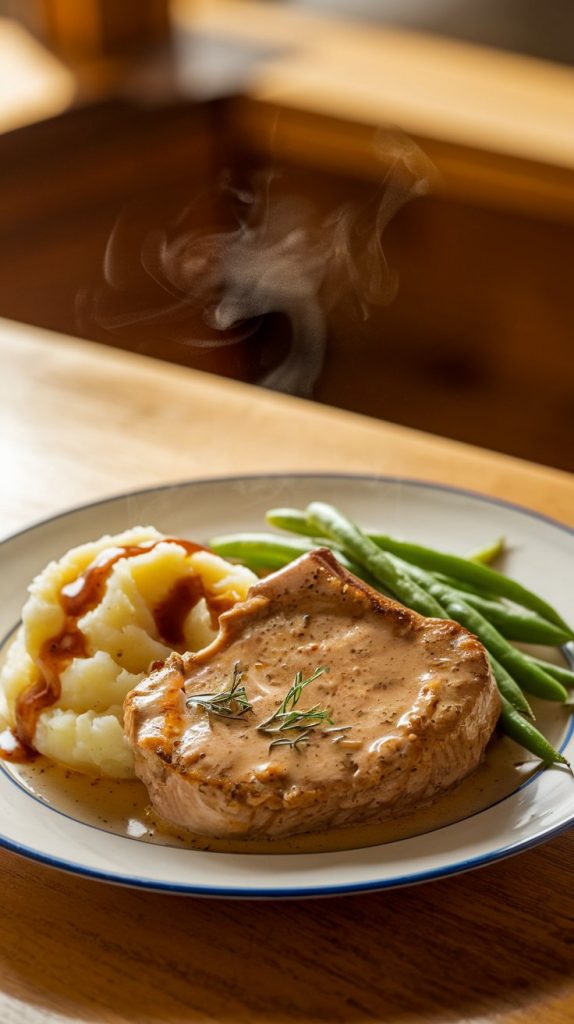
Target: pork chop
{"points": [[411, 701]]}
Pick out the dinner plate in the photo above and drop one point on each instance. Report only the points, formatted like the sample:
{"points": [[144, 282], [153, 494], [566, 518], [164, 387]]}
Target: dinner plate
{"points": [[542, 806]]}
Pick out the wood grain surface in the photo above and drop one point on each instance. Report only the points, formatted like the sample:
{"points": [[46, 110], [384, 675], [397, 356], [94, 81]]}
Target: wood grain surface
{"points": [[496, 945], [432, 86]]}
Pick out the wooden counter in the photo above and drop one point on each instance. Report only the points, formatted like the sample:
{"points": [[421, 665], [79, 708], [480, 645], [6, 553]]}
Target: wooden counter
{"points": [[497, 125], [80, 422]]}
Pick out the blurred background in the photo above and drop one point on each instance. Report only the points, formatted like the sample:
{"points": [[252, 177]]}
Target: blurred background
{"points": [[367, 202]]}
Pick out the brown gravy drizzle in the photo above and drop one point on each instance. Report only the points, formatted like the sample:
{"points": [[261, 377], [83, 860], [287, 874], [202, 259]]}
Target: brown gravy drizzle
{"points": [[171, 614], [12, 749], [55, 655], [79, 597]]}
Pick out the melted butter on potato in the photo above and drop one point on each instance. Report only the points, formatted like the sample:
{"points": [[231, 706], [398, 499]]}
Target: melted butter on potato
{"points": [[84, 729]]}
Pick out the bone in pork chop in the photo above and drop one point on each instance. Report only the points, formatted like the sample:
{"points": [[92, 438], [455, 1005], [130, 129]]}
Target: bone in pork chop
{"points": [[416, 695]]}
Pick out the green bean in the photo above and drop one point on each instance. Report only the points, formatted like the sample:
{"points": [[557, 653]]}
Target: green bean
{"points": [[559, 672], [509, 689], [469, 588], [267, 551], [471, 572], [517, 625], [328, 521], [291, 519], [486, 581], [489, 553], [514, 624], [525, 733], [260, 550]]}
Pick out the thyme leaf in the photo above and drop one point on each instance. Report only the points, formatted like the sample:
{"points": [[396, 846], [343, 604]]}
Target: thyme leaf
{"points": [[231, 703], [287, 719], [292, 741]]}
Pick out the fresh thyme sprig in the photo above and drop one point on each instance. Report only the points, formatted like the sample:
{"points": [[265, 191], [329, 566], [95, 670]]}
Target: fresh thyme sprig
{"points": [[292, 741], [231, 704], [286, 719]]}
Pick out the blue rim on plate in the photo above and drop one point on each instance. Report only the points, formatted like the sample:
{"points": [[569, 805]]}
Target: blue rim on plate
{"points": [[307, 891]]}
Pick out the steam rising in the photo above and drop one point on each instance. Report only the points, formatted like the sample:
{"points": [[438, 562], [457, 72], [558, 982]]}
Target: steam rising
{"points": [[281, 256]]}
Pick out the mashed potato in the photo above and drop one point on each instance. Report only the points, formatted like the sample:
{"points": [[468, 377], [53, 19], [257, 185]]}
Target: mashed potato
{"points": [[84, 728]]}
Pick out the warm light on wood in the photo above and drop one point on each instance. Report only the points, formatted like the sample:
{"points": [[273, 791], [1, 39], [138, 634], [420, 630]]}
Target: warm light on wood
{"points": [[84, 402], [498, 125], [33, 83]]}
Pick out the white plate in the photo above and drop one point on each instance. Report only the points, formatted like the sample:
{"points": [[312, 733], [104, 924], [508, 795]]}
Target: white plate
{"points": [[541, 551]]}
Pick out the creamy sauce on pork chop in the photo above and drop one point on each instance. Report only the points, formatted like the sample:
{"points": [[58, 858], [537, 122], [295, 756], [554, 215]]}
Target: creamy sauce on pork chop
{"points": [[414, 696], [372, 681]]}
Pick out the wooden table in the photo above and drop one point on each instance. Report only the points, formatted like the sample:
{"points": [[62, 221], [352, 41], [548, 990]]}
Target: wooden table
{"points": [[80, 422]]}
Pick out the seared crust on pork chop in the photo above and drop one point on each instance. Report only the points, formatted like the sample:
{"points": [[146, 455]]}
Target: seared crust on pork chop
{"points": [[416, 696]]}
